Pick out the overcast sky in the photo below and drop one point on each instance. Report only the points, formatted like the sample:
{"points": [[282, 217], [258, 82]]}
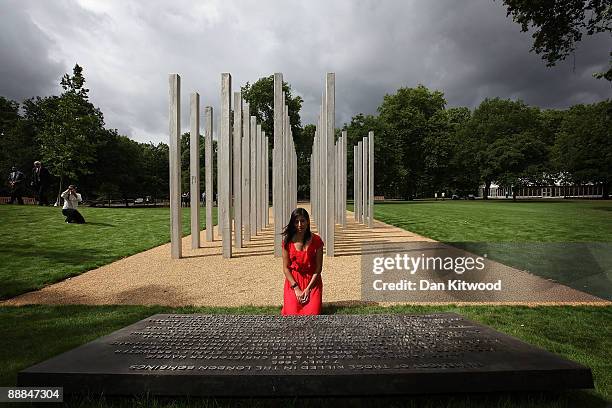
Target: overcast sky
{"points": [[466, 48]]}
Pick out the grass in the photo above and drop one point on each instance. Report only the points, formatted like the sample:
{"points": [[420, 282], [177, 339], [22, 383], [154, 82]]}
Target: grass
{"points": [[566, 241], [38, 248], [502, 221], [582, 334]]}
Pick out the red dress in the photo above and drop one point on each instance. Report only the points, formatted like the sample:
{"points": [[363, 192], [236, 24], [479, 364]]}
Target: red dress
{"points": [[302, 265]]}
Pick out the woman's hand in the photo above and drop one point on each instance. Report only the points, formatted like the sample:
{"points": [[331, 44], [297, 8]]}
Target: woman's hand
{"points": [[298, 293], [305, 296]]}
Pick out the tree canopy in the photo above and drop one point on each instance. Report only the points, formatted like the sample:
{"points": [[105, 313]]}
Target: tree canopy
{"points": [[260, 96], [68, 128], [560, 24]]}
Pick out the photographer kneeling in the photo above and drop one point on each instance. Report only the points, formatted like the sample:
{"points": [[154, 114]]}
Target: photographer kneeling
{"points": [[71, 202]]}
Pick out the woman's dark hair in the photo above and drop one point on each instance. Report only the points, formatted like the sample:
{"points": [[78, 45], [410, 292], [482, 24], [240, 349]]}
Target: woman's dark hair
{"points": [[289, 231]]}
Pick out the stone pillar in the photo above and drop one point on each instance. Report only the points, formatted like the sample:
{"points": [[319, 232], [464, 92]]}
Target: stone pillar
{"points": [[224, 166], [273, 155], [262, 180], [355, 184], [359, 182], [276, 165], [322, 173], [314, 186], [330, 125], [335, 209], [194, 170], [267, 181], [371, 179], [313, 177], [246, 171], [208, 170], [291, 178], [291, 175], [174, 117], [259, 180], [253, 201], [285, 195], [343, 169], [340, 180], [237, 173], [364, 181]]}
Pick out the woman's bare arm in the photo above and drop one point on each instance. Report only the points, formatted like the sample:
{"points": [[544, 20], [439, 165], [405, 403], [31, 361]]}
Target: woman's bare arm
{"points": [[317, 270], [297, 289]]}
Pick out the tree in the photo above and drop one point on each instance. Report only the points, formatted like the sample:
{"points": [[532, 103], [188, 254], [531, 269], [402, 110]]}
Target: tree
{"points": [[118, 170], [408, 117], [156, 178], [386, 180], [69, 128], [303, 146], [17, 139], [583, 148], [508, 143], [449, 156], [260, 97], [560, 24]]}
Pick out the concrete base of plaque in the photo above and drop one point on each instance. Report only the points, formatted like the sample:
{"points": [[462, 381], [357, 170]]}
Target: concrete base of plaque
{"points": [[230, 355]]}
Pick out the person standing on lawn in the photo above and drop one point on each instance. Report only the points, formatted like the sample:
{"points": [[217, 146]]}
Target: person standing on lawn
{"points": [[40, 182], [15, 181]]}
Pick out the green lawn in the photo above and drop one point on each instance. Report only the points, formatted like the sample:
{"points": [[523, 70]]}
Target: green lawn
{"points": [[566, 241], [502, 221], [583, 334], [39, 248]]}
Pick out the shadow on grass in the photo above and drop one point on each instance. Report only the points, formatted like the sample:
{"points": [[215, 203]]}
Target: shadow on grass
{"points": [[63, 255], [66, 263], [584, 266], [102, 224]]}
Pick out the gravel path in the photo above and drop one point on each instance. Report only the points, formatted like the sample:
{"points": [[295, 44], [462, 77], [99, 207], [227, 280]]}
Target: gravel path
{"points": [[253, 277]]}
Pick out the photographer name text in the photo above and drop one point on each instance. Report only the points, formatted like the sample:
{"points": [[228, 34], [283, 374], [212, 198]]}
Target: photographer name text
{"points": [[425, 284]]}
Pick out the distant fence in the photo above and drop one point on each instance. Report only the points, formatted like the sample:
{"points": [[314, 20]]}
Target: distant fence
{"points": [[130, 202], [26, 200]]}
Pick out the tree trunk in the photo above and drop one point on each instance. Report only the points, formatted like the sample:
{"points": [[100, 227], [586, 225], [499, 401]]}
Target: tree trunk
{"points": [[605, 191], [59, 193], [485, 194]]}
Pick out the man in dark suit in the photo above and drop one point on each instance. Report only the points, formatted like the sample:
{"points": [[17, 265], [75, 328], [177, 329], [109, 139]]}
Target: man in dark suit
{"points": [[15, 180], [40, 182]]}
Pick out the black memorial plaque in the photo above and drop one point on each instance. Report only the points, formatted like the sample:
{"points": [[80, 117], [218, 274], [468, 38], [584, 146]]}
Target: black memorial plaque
{"points": [[233, 355]]}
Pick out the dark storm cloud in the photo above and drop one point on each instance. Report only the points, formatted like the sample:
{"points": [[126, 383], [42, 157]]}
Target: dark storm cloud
{"points": [[26, 69], [467, 49]]}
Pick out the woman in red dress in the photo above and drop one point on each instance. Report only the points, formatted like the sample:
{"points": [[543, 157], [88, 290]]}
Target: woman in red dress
{"points": [[302, 264]]}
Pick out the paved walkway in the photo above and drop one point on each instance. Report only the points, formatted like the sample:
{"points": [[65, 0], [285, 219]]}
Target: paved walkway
{"points": [[254, 277]]}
